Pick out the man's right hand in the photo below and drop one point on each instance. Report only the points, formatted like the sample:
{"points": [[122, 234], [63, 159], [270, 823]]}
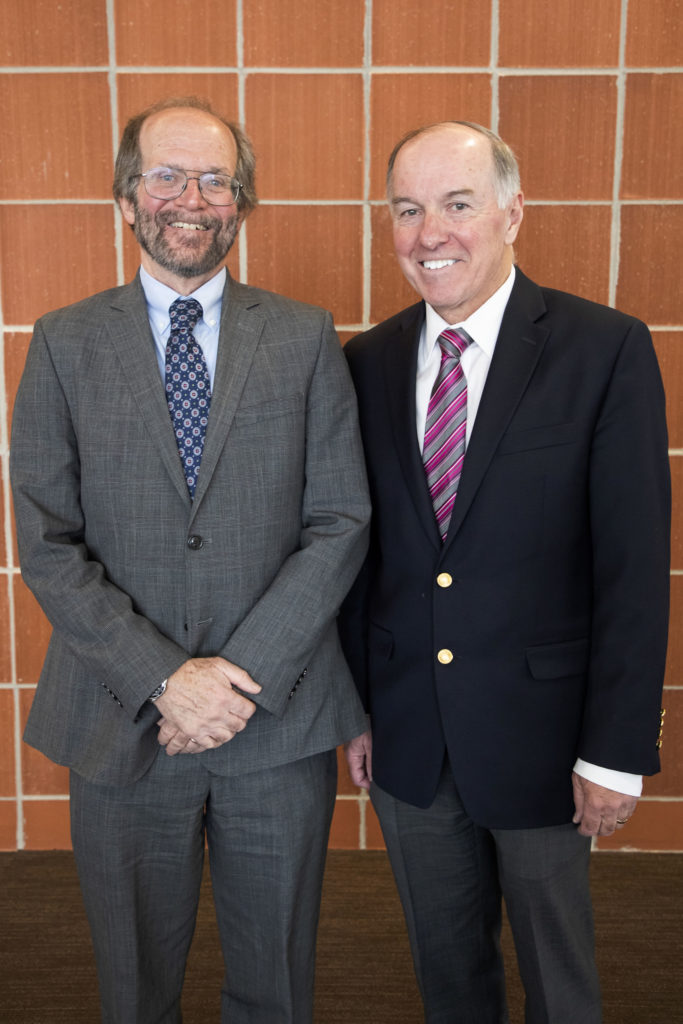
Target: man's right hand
{"points": [[202, 707], [358, 752]]}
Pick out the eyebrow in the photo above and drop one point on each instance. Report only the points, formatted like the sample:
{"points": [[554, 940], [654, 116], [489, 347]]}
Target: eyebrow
{"points": [[453, 194], [177, 167]]}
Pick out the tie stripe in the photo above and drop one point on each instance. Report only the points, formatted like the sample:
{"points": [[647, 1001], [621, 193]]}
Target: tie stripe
{"points": [[444, 443]]}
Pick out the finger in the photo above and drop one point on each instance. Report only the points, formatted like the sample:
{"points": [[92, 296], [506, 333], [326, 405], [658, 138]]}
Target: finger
{"points": [[166, 734], [240, 709], [590, 824], [237, 676], [177, 743], [219, 735], [194, 746]]}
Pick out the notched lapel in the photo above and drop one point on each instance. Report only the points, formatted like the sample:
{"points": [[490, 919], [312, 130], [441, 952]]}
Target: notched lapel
{"points": [[242, 325], [518, 349], [132, 339], [400, 368]]}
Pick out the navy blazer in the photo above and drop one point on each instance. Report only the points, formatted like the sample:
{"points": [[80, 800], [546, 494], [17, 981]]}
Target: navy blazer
{"points": [[551, 590]]}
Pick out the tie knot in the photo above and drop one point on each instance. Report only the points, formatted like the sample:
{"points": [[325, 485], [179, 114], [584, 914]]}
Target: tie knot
{"points": [[453, 343], [184, 315]]}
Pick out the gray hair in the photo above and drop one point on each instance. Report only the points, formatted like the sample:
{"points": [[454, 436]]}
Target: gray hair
{"points": [[505, 166]]}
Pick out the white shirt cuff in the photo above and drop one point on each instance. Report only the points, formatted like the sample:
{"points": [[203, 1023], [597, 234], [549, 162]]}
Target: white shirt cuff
{"points": [[620, 782]]}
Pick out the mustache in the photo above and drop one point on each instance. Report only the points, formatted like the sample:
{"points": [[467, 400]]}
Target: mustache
{"points": [[165, 217]]}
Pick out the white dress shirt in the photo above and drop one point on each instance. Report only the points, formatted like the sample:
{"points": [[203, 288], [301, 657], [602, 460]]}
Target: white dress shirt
{"points": [[483, 327]]}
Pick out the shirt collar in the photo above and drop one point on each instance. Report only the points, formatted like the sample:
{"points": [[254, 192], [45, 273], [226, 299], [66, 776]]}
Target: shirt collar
{"points": [[159, 298], [482, 326]]}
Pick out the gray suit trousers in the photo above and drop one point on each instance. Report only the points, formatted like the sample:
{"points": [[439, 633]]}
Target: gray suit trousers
{"points": [[450, 875], [139, 851]]}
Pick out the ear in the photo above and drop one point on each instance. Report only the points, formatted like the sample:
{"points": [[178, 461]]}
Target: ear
{"points": [[515, 217], [127, 210]]}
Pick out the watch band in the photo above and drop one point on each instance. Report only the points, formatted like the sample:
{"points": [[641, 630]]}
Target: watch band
{"points": [[161, 689]]}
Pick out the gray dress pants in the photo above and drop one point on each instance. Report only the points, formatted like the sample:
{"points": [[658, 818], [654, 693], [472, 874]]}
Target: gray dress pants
{"points": [[139, 851]]}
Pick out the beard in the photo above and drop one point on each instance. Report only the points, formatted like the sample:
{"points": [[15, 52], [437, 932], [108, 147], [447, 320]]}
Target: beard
{"points": [[185, 260]]}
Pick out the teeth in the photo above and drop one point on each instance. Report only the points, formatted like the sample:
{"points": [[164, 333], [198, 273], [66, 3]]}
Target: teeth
{"points": [[186, 226], [437, 264]]}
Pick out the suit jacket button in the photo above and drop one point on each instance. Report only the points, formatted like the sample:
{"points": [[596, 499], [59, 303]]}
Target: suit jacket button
{"points": [[444, 579], [445, 656], [195, 542]]}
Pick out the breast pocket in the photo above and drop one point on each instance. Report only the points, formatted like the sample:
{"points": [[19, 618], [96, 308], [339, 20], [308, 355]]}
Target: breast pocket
{"points": [[535, 438], [268, 411]]}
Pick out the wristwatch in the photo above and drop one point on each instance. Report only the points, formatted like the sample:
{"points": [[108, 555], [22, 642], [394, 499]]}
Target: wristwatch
{"points": [[161, 688]]}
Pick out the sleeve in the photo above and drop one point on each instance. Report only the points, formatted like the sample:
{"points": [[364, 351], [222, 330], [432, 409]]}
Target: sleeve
{"points": [[96, 619], [630, 510]]}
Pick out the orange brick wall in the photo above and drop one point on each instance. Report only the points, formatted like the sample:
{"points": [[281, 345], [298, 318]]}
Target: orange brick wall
{"points": [[588, 94]]}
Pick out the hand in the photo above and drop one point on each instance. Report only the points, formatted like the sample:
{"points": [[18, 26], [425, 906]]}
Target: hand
{"points": [[201, 708], [600, 811], [358, 754]]}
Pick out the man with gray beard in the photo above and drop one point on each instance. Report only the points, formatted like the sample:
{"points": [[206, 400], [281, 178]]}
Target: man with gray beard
{"points": [[191, 509]]}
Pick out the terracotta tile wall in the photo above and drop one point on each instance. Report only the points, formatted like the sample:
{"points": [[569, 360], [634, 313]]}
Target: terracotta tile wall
{"points": [[588, 94]]}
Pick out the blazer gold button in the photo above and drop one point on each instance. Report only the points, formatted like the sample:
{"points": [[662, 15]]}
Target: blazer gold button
{"points": [[444, 579], [445, 656], [195, 542]]}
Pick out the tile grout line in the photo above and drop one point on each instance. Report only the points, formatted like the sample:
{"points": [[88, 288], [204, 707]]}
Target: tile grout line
{"points": [[615, 228], [9, 555], [243, 242], [354, 202], [114, 114], [366, 252], [493, 64], [532, 71]]}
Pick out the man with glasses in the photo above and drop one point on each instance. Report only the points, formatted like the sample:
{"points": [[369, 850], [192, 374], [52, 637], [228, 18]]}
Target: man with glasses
{"points": [[191, 508]]}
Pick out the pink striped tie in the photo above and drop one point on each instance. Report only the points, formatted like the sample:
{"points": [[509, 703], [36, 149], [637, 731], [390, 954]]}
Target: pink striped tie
{"points": [[444, 443]]}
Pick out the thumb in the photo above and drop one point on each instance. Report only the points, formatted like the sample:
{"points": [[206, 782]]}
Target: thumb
{"points": [[578, 798], [237, 676]]}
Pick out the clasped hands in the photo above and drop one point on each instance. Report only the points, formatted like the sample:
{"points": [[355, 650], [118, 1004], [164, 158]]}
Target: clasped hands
{"points": [[203, 707]]}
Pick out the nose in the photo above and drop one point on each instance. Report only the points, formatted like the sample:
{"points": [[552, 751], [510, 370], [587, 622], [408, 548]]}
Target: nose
{"points": [[433, 230], [191, 195]]}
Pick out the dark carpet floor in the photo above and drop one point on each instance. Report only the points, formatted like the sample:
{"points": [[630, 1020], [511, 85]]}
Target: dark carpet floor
{"points": [[364, 968]]}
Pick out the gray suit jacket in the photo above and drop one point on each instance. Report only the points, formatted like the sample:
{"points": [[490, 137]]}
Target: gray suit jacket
{"points": [[135, 578]]}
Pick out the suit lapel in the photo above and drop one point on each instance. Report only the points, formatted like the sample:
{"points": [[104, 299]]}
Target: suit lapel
{"points": [[400, 368], [518, 349], [241, 329], [242, 325], [132, 339]]}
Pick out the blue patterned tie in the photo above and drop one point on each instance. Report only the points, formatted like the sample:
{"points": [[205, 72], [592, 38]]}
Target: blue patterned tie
{"points": [[188, 387]]}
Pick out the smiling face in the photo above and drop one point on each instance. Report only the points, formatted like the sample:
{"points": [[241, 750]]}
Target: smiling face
{"points": [[183, 241], [452, 240]]}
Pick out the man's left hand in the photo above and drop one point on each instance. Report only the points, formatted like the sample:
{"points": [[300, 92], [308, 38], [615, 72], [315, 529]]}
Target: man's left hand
{"points": [[600, 811]]}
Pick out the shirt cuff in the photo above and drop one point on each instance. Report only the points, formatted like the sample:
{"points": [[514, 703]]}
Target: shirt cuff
{"points": [[620, 782]]}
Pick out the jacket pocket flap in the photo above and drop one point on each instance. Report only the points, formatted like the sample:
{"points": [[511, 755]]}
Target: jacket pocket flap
{"points": [[537, 437], [553, 661]]}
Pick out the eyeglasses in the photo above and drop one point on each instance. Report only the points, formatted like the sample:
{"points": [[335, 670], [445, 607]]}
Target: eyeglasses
{"points": [[170, 182]]}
